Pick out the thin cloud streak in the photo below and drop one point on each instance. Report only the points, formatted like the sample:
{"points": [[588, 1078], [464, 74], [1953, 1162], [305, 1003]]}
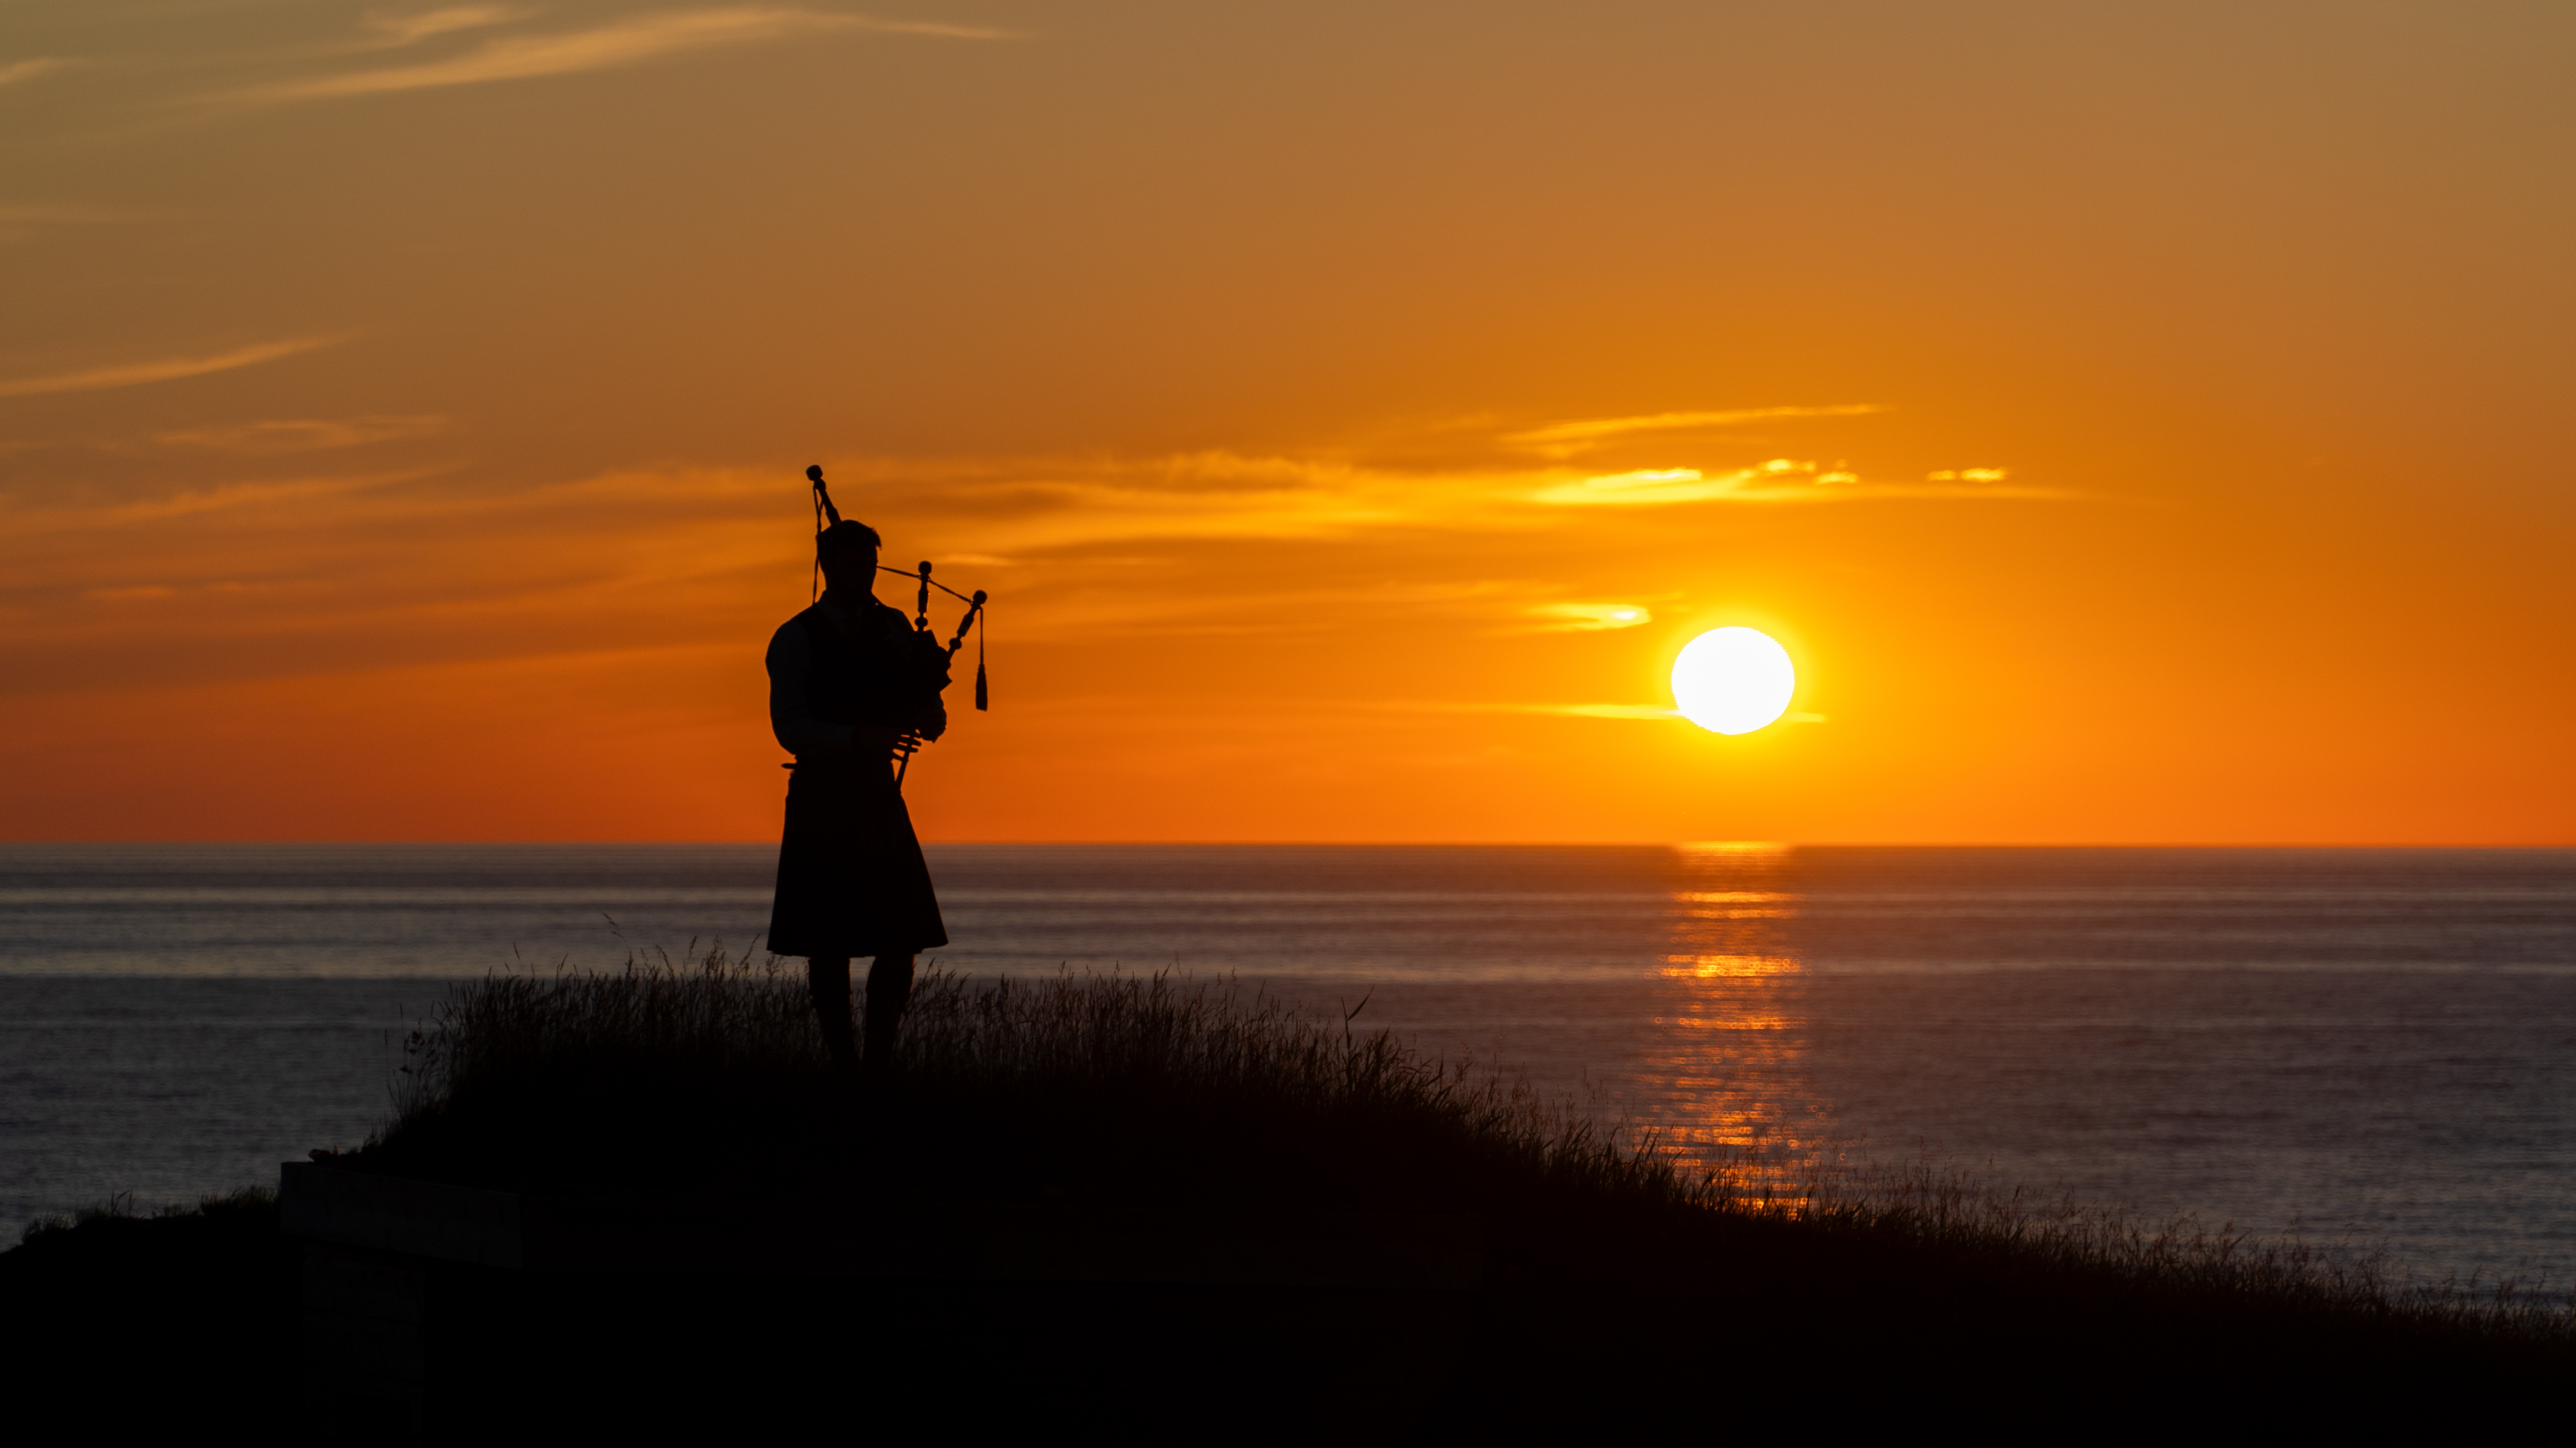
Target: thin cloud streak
{"points": [[631, 42], [1023, 505], [240, 496], [19, 70], [303, 434], [1561, 711], [1577, 711], [1589, 617], [1656, 486], [1595, 711], [401, 543], [410, 29], [1599, 429], [1781, 480], [137, 374]]}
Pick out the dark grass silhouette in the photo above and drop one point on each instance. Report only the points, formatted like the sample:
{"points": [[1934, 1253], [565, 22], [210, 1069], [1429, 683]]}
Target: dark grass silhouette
{"points": [[123, 1323], [1119, 1089], [1627, 1290], [1625, 1286]]}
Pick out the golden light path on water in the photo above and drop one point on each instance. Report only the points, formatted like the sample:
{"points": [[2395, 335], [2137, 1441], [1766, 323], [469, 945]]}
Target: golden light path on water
{"points": [[1730, 1028]]}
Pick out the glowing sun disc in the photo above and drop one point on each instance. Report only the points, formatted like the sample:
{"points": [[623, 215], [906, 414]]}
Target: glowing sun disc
{"points": [[1733, 680]]}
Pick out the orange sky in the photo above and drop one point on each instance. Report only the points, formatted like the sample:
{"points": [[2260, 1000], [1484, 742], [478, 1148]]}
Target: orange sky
{"points": [[402, 413]]}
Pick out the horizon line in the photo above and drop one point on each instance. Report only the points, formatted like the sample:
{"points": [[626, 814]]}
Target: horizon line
{"points": [[1204, 843]]}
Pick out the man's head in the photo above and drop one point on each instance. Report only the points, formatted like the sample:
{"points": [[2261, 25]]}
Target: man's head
{"points": [[848, 552]]}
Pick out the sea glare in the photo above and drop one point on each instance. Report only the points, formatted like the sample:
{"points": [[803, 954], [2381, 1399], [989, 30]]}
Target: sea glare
{"points": [[2369, 1047]]}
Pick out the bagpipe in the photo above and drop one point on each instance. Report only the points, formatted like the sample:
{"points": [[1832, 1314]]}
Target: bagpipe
{"points": [[825, 515]]}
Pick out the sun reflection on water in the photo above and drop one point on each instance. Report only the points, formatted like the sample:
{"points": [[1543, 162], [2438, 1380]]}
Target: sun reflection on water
{"points": [[1730, 1024]]}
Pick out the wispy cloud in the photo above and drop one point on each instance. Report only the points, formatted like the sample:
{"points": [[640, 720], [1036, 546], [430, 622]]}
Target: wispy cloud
{"points": [[1562, 711], [1033, 505], [1780, 480], [236, 497], [26, 219], [1587, 617], [410, 29], [1597, 711], [302, 435], [1658, 486], [1560, 438], [1576, 711], [12, 72], [136, 374], [624, 43]]}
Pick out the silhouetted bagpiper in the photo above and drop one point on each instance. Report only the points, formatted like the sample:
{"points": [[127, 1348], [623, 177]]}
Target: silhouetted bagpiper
{"points": [[854, 690]]}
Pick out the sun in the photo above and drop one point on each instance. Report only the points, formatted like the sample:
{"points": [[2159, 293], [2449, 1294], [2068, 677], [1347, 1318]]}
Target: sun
{"points": [[1733, 680]]}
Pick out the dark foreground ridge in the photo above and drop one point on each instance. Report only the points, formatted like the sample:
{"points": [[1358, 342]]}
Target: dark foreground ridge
{"points": [[1146, 1209]]}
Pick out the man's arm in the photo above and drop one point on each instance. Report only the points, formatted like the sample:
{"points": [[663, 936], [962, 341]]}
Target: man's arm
{"points": [[791, 665]]}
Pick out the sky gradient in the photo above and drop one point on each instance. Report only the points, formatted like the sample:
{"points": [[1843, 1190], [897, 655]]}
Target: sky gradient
{"points": [[2142, 423]]}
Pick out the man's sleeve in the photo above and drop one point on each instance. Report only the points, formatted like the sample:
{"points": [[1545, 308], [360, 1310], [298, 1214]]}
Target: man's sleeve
{"points": [[790, 716]]}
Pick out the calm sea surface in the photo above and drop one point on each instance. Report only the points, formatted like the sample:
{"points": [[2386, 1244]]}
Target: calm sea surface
{"points": [[2367, 1045]]}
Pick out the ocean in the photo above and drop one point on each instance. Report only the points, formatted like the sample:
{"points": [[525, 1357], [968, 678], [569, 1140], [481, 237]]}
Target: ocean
{"points": [[2372, 1048]]}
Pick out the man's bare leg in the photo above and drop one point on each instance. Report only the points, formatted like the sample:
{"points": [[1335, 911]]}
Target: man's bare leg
{"points": [[889, 990], [829, 979]]}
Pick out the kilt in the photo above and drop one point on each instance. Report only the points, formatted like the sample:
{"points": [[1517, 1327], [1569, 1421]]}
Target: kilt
{"points": [[851, 880]]}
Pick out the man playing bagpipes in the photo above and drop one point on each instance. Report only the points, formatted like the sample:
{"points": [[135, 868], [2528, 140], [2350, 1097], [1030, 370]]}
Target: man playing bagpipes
{"points": [[854, 686]]}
